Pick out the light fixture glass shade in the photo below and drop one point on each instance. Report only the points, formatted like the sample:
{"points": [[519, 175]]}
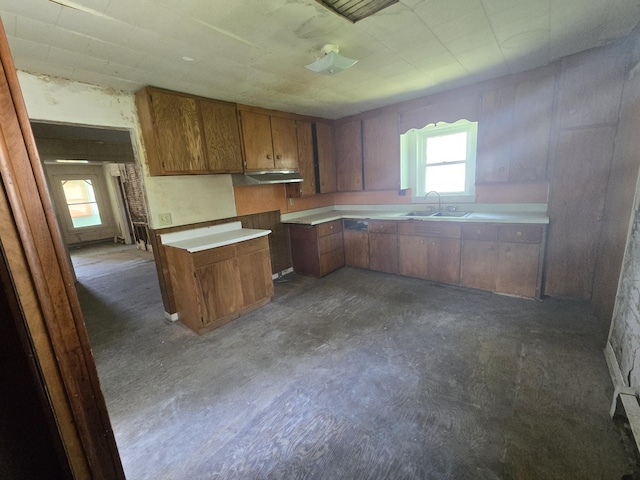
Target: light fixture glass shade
{"points": [[331, 63]]}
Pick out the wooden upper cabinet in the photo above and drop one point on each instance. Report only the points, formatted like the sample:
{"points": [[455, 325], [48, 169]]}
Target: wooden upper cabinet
{"points": [[270, 142], [348, 155], [326, 159], [256, 138], [171, 131], [381, 145], [184, 134], [285, 143], [306, 163], [222, 136], [494, 135], [532, 112]]}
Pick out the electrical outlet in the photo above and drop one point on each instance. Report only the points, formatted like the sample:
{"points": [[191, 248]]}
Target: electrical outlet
{"points": [[164, 219], [290, 201]]}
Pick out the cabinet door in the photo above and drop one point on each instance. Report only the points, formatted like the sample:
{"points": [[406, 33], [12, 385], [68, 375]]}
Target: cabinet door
{"points": [[255, 272], [412, 256], [518, 269], [348, 155], [383, 252], [356, 248], [304, 249], [222, 136], [479, 264], [443, 262], [381, 143], [326, 158], [220, 289], [306, 161], [285, 143], [177, 133], [256, 138]]}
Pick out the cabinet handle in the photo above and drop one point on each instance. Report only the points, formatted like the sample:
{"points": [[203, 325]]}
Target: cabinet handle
{"points": [[421, 242], [478, 231], [278, 157], [433, 243], [269, 156], [330, 227], [518, 234]]}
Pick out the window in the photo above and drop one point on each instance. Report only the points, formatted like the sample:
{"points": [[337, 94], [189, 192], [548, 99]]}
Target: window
{"points": [[441, 158], [81, 202]]}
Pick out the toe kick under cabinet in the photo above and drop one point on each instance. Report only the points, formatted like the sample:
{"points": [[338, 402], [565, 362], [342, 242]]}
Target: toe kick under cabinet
{"points": [[225, 275]]}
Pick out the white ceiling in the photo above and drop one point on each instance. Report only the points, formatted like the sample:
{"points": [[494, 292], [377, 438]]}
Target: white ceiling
{"points": [[254, 51]]}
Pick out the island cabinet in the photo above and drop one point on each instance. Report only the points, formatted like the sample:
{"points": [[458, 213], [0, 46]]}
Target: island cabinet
{"points": [[217, 285], [381, 152], [383, 246], [317, 249], [503, 258], [270, 142], [429, 250], [356, 243], [184, 134]]}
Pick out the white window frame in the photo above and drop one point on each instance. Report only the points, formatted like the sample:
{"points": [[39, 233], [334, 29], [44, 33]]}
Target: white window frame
{"points": [[413, 156]]}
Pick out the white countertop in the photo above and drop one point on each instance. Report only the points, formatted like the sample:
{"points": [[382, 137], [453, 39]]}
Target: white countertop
{"points": [[199, 239], [322, 215]]}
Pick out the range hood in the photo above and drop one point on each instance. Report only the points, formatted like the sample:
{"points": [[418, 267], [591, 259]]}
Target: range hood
{"points": [[266, 177]]}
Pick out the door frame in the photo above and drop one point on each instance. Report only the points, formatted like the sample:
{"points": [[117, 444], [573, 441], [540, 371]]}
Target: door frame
{"points": [[42, 284]]}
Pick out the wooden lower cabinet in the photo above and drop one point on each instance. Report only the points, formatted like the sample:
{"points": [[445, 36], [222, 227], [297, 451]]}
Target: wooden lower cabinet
{"points": [[215, 286], [503, 258], [383, 246], [431, 258], [317, 250], [430, 250], [356, 248]]}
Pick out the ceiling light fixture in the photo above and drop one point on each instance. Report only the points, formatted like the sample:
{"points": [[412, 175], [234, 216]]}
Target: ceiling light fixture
{"points": [[330, 62], [355, 10]]}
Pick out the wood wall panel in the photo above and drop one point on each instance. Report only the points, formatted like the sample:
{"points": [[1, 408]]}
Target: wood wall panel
{"points": [[576, 207], [591, 88], [619, 202]]}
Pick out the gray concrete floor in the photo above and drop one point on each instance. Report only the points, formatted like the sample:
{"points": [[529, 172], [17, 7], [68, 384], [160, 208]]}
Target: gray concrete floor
{"points": [[356, 375]]}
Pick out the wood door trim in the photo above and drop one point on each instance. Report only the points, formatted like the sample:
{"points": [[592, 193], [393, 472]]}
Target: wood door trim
{"points": [[41, 272]]}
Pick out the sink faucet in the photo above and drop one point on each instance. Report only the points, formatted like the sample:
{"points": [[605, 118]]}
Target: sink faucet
{"points": [[439, 198]]}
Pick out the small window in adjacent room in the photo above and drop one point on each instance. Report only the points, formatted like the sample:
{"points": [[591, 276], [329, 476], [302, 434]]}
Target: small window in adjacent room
{"points": [[441, 158]]}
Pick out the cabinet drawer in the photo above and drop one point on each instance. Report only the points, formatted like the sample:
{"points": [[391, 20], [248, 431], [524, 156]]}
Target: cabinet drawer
{"points": [[213, 255], [521, 233], [253, 245], [480, 231], [426, 228], [329, 228], [383, 227], [329, 243]]}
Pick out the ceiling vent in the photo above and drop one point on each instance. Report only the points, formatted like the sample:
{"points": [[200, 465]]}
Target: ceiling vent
{"points": [[355, 10]]}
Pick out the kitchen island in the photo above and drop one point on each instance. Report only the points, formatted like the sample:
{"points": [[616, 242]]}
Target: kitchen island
{"points": [[218, 273]]}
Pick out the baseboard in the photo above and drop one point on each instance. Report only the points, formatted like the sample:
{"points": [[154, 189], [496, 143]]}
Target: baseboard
{"points": [[283, 272], [172, 317]]}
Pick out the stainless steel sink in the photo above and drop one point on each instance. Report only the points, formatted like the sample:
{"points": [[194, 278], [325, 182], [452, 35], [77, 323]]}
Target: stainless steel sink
{"points": [[451, 214], [445, 214], [417, 214]]}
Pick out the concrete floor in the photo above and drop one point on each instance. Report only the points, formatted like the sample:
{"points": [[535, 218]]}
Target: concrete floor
{"points": [[358, 375]]}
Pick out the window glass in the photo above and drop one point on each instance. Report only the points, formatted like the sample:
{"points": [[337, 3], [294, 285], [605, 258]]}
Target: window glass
{"points": [[446, 178], [447, 148], [81, 202]]}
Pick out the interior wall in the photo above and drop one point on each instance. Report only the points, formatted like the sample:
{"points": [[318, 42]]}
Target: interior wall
{"points": [[189, 199]]}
